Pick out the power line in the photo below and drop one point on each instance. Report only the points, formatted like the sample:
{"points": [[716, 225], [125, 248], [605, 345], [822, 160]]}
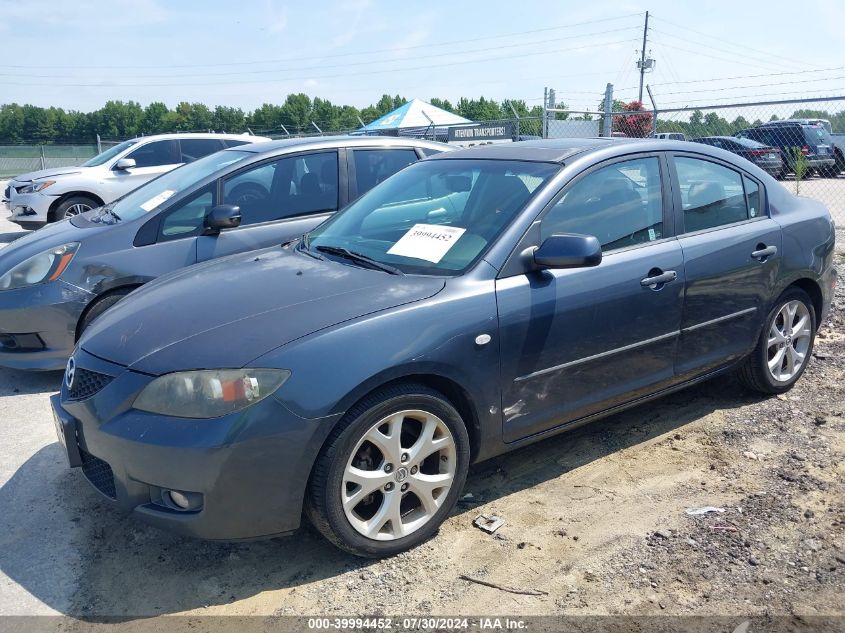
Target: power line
{"points": [[753, 96], [745, 87], [370, 52], [374, 72], [708, 35], [703, 54], [709, 46], [350, 64], [780, 74]]}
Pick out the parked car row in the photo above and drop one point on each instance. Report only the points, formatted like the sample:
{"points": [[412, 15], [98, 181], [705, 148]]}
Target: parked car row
{"points": [[773, 146], [49, 195], [56, 281], [469, 303]]}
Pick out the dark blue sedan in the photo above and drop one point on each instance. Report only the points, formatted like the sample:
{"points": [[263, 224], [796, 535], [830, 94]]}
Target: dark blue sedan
{"points": [[474, 302]]}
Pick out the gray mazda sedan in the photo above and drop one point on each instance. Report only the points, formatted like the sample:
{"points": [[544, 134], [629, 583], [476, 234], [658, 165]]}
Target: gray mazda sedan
{"points": [[55, 282], [475, 302]]}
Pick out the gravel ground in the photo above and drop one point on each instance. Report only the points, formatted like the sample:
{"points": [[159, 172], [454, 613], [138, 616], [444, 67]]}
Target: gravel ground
{"points": [[595, 518]]}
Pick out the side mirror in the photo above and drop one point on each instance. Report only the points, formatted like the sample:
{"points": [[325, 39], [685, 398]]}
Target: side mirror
{"points": [[568, 250], [125, 163], [223, 216]]}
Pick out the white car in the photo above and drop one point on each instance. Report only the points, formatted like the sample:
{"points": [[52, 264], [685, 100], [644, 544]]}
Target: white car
{"points": [[49, 195]]}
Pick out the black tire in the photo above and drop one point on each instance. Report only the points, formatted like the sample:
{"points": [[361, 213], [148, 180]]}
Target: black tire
{"points": [[72, 205], [100, 305], [829, 172], [323, 504], [754, 372], [840, 161]]}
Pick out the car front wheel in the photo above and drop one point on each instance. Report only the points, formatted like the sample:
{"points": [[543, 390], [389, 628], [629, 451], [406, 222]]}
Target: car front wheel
{"points": [[390, 473], [72, 206], [785, 345]]}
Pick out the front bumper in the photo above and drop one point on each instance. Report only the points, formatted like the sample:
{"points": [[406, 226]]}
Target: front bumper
{"points": [[818, 162], [251, 467], [29, 208], [38, 325]]}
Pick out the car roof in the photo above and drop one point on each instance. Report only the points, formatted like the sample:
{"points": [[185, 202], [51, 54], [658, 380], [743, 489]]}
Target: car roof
{"points": [[320, 142], [186, 135], [554, 150]]}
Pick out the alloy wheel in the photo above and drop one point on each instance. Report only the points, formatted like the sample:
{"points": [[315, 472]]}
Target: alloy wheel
{"points": [[76, 209], [789, 340], [398, 475]]}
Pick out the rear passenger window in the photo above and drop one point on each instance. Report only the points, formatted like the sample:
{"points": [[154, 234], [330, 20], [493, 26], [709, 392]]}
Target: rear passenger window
{"points": [[712, 195], [375, 165], [621, 205], [194, 148], [752, 195]]}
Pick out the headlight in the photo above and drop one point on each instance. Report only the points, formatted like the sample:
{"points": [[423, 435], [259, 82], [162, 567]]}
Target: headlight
{"points": [[46, 266], [36, 186], [209, 393]]}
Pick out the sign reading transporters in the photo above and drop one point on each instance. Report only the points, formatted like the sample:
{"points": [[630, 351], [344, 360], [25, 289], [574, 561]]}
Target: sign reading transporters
{"points": [[481, 133]]}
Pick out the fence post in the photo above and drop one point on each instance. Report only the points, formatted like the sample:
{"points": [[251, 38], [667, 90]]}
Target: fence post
{"points": [[654, 108], [607, 122], [99, 145], [43, 160]]}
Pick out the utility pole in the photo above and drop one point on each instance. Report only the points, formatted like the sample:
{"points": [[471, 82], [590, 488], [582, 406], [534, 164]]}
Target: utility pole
{"points": [[644, 63]]}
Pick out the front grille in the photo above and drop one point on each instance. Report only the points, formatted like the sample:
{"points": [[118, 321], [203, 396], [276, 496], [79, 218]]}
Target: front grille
{"points": [[99, 473], [86, 383]]}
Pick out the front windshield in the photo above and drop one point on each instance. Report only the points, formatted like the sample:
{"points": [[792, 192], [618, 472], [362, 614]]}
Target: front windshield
{"points": [[156, 192], [110, 153], [435, 217]]}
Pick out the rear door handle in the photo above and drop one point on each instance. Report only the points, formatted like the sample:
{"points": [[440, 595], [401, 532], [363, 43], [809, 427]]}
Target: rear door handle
{"points": [[764, 253], [658, 280]]}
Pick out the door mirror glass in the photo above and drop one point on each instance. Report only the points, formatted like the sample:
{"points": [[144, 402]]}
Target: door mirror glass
{"points": [[223, 216], [125, 163], [568, 250]]}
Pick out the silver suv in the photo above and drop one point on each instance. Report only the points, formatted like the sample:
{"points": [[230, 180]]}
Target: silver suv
{"points": [[39, 197]]}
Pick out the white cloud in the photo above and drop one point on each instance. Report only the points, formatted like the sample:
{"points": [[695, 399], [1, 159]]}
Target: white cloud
{"points": [[351, 25], [104, 13], [277, 19]]}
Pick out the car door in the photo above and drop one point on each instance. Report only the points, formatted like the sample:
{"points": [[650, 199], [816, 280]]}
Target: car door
{"points": [[371, 165], [151, 159], [280, 199], [577, 341], [731, 253]]}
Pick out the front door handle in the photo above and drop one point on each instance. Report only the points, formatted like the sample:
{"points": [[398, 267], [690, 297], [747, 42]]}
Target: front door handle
{"points": [[658, 279], [762, 254]]}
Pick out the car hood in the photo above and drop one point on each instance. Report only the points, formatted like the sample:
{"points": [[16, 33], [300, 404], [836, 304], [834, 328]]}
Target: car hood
{"points": [[44, 239], [49, 173], [230, 311]]}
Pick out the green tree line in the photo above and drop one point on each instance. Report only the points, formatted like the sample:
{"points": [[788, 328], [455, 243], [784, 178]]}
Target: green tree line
{"points": [[126, 119], [712, 124]]}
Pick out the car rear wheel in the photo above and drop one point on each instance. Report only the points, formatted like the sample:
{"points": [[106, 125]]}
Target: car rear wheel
{"points": [[390, 473], [785, 345], [74, 205]]}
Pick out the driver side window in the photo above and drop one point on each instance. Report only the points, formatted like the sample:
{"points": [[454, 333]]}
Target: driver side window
{"points": [[156, 153], [621, 205], [187, 218], [288, 187]]}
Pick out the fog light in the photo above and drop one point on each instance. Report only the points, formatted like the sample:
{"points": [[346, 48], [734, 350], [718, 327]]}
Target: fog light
{"points": [[181, 500]]}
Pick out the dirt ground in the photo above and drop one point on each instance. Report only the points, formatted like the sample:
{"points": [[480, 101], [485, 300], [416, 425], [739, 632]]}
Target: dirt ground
{"points": [[595, 518]]}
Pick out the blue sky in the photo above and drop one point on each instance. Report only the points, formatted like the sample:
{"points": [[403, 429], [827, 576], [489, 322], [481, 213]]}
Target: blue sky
{"points": [[79, 54]]}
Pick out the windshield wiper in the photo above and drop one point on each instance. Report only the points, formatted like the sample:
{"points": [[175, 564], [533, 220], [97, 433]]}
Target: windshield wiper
{"points": [[106, 210], [358, 257]]}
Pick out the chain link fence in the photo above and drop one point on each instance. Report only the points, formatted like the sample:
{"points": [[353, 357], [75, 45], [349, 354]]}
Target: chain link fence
{"points": [[19, 159], [800, 142]]}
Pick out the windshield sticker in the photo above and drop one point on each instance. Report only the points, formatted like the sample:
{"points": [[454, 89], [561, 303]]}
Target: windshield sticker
{"points": [[155, 201], [427, 241]]}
